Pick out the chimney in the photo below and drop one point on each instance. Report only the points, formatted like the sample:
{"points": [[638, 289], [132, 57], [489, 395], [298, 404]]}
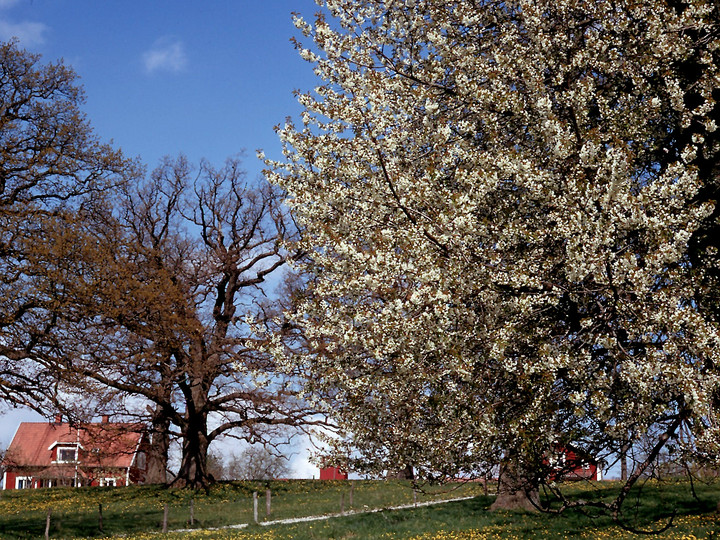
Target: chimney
{"points": [[105, 418], [58, 418]]}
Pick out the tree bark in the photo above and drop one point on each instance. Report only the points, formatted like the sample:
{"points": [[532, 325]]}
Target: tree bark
{"points": [[406, 473], [515, 490], [193, 471], [159, 447]]}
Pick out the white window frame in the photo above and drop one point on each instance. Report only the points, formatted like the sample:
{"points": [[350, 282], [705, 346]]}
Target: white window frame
{"points": [[26, 482], [71, 448], [108, 482]]}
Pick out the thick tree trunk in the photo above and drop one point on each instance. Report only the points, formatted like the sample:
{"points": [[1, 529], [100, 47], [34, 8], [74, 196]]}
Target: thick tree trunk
{"points": [[159, 446], [406, 473], [193, 471], [515, 491]]}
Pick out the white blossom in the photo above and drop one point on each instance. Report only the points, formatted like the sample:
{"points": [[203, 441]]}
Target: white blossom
{"points": [[498, 229]]}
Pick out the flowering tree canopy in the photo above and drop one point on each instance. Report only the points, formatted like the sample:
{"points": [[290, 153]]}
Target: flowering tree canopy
{"points": [[509, 217]]}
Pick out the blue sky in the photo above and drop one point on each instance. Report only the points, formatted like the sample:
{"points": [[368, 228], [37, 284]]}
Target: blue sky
{"points": [[208, 79], [165, 76]]}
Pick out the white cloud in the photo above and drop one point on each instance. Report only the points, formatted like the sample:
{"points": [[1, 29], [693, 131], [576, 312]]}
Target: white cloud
{"points": [[5, 4], [29, 33], [166, 54], [301, 467]]}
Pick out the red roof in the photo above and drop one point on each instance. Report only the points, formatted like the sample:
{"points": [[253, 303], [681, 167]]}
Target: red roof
{"points": [[102, 444]]}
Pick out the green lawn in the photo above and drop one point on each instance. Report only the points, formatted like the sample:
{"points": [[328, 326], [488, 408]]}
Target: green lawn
{"points": [[75, 512], [137, 512]]}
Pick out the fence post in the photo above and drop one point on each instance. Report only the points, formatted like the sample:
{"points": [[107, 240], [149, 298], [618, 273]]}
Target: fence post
{"points": [[255, 506], [47, 525], [268, 496], [192, 511], [100, 523], [165, 518]]}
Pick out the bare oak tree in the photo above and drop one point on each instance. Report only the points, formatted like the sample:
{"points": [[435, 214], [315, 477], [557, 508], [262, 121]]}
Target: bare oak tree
{"points": [[257, 463], [158, 299], [50, 161]]}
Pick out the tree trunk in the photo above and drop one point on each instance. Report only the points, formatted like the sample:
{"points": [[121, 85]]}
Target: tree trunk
{"points": [[515, 490], [193, 471], [159, 447], [406, 473]]}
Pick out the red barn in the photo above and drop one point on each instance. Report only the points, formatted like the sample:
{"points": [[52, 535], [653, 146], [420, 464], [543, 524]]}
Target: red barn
{"points": [[49, 454], [333, 473]]}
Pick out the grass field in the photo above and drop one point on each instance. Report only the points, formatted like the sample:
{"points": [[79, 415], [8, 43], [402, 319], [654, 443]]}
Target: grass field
{"points": [[76, 512], [137, 512]]}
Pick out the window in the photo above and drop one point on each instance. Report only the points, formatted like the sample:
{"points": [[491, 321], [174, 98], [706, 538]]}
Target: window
{"points": [[23, 482], [108, 482], [67, 454], [141, 461]]}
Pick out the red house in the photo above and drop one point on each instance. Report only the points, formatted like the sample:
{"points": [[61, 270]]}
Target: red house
{"points": [[572, 464], [50, 454]]}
